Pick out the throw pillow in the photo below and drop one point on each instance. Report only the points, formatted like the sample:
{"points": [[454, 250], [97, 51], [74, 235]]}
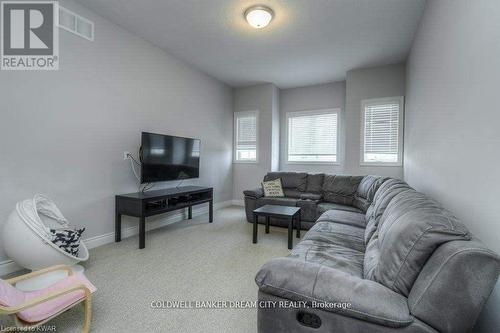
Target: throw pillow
{"points": [[67, 239], [273, 188]]}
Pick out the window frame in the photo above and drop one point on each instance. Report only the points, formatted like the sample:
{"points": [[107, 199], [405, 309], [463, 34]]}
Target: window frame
{"points": [[235, 135], [292, 114], [377, 101]]}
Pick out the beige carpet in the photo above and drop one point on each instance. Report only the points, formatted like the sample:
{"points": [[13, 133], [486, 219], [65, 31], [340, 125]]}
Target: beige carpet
{"points": [[186, 261]]}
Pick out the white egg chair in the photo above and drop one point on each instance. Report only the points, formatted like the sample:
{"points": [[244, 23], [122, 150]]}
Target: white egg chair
{"points": [[27, 239]]}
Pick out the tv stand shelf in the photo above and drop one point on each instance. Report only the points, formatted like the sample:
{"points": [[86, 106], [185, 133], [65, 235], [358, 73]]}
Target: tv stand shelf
{"points": [[145, 204]]}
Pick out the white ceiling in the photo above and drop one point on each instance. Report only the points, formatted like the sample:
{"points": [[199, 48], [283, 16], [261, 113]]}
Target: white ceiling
{"points": [[308, 42]]}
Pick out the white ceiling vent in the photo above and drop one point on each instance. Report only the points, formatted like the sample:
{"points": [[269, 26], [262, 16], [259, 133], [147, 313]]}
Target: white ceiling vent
{"points": [[76, 24]]}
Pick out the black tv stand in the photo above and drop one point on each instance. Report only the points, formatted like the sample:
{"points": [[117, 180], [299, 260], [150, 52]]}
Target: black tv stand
{"points": [[144, 204]]}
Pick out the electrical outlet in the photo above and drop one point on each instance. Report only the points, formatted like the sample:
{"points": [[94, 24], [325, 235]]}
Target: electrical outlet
{"points": [[126, 155]]}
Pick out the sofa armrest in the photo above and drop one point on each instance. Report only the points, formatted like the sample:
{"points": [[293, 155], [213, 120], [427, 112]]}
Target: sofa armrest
{"points": [[454, 285], [317, 284], [255, 193], [310, 196]]}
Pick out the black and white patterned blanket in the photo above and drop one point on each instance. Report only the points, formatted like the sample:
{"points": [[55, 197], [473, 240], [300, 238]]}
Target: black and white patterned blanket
{"points": [[67, 239]]}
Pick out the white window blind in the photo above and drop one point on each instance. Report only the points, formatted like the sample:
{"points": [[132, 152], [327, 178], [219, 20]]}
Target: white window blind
{"points": [[382, 129], [246, 130], [312, 136]]}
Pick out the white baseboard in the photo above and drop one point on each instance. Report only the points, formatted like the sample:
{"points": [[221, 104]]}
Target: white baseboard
{"points": [[9, 266], [238, 202]]}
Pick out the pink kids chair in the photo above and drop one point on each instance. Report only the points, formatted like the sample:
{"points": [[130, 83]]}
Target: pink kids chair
{"points": [[34, 308]]}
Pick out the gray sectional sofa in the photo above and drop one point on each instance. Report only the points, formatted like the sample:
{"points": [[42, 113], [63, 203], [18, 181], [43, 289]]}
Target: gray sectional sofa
{"points": [[314, 194], [384, 258]]}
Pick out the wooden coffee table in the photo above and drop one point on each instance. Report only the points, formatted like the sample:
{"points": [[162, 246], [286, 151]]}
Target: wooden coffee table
{"points": [[283, 212]]}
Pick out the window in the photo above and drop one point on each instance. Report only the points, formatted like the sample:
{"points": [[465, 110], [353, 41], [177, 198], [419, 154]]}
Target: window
{"points": [[245, 136], [382, 131], [312, 136]]}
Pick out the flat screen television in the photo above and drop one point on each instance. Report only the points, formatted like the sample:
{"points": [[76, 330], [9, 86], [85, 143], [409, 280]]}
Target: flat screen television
{"points": [[166, 157]]}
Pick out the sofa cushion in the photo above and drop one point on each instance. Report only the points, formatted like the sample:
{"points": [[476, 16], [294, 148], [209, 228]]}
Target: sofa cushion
{"points": [[315, 182], [344, 217], [326, 206], [329, 254], [386, 192], [307, 210], [361, 203], [372, 257], [340, 189], [293, 180], [276, 201], [292, 193], [411, 228], [310, 196], [273, 188], [337, 234], [299, 280], [366, 191]]}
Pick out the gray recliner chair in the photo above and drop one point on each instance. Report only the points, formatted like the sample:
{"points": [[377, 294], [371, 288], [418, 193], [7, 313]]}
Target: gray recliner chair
{"points": [[403, 264]]}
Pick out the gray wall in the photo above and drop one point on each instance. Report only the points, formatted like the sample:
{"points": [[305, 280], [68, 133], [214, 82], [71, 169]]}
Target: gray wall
{"points": [[63, 133], [275, 135], [262, 98], [310, 98], [378, 82], [452, 117]]}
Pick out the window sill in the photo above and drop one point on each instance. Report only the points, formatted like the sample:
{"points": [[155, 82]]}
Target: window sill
{"points": [[380, 164], [312, 163], [245, 162]]}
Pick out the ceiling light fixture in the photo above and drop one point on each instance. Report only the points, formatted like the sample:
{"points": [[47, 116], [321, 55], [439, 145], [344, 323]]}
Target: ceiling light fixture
{"points": [[259, 16]]}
